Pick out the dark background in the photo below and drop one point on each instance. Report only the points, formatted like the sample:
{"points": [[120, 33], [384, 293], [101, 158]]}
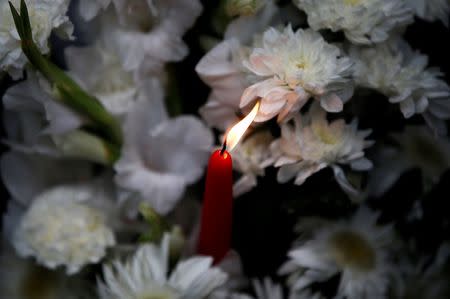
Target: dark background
{"points": [[264, 218]]}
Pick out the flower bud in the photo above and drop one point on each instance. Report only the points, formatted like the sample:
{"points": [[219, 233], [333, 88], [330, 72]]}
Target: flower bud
{"points": [[243, 7]]}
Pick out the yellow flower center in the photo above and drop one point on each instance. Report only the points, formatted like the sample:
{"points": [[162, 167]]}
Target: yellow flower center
{"points": [[352, 250]]}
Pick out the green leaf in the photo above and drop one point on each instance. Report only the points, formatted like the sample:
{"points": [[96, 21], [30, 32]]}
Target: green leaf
{"points": [[25, 21], [17, 19]]}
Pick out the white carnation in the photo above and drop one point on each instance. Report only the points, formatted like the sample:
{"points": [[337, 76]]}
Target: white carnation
{"points": [[60, 228], [293, 67], [403, 75], [314, 144], [362, 21], [45, 15]]}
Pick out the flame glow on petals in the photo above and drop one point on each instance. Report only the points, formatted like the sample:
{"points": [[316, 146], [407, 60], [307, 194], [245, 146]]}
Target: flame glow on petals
{"points": [[237, 131]]}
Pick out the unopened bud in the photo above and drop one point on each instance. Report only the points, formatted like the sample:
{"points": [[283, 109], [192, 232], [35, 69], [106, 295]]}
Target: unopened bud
{"points": [[80, 144], [243, 7]]}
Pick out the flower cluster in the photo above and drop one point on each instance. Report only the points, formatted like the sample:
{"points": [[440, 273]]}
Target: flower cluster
{"points": [[337, 192]]}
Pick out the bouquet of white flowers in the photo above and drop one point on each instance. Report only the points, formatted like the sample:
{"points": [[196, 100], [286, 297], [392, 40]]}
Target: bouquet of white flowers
{"points": [[330, 176]]}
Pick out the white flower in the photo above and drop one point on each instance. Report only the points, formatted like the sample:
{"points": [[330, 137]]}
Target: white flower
{"points": [[401, 74], [222, 73], [146, 275], [161, 156], [89, 9], [357, 249], [315, 144], [417, 147], [295, 66], [25, 176], [431, 10], [362, 21], [147, 34], [99, 70], [250, 157], [61, 228], [22, 279], [44, 16], [244, 7], [222, 69], [34, 114]]}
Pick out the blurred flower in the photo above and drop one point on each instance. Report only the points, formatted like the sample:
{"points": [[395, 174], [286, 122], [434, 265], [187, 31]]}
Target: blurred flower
{"points": [[161, 156], [250, 157], [431, 10], [145, 275], [227, 79], [296, 66], [314, 144], [362, 21], [401, 74], [62, 227], [44, 17], [147, 34], [22, 279], [416, 147], [429, 277], [99, 70], [33, 115], [357, 249]]}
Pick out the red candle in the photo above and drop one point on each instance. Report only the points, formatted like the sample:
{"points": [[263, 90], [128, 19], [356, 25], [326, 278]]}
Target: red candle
{"points": [[215, 230]]}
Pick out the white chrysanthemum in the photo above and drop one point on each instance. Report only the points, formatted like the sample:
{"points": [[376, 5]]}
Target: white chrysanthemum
{"points": [[416, 148], [22, 279], [44, 16], [401, 74], [222, 70], [250, 157], [362, 21], [146, 275], [147, 34], [314, 144], [357, 249], [105, 77], [61, 228], [161, 156], [295, 66], [431, 10]]}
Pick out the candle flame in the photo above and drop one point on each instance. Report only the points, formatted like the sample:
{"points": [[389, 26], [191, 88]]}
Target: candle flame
{"points": [[237, 131]]}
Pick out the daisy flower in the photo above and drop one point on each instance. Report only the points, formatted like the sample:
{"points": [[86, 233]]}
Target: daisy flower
{"points": [[362, 21], [293, 67], [250, 157], [146, 275], [61, 227], [314, 143], [403, 75], [45, 16], [431, 10], [357, 249], [416, 148]]}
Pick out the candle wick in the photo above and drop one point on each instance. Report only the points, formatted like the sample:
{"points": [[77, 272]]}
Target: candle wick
{"points": [[224, 147]]}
